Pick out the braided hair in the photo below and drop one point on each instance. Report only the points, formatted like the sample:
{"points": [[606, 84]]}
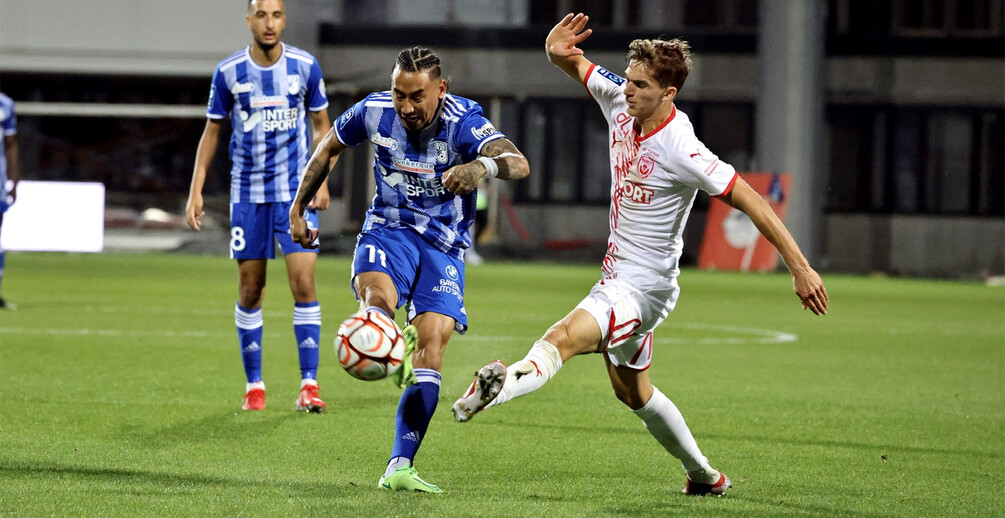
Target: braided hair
{"points": [[419, 59]]}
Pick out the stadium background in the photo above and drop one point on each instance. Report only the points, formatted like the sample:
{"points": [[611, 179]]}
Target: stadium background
{"points": [[888, 114]]}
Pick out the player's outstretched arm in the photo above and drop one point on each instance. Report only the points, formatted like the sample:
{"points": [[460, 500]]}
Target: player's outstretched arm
{"points": [[499, 158], [315, 175], [806, 281], [203, 158], [320, 125], [561, 46]]}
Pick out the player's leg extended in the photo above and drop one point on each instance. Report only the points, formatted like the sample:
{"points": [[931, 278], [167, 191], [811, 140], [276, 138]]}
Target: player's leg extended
{"points": [[306, 327], [495, 384], [418, 403], [666, 424], [248, 318]]}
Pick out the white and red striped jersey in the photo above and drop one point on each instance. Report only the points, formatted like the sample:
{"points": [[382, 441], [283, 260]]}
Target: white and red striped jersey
{"points": [[654, 181]]}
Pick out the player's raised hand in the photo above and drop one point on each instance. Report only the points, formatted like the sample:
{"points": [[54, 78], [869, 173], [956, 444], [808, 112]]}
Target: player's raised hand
{"points": [[301, 233], [564, 37], [811, 291], [193, 211], [462, 179]]}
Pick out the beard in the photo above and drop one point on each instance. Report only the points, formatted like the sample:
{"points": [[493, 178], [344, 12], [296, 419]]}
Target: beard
{"points": [[267, 47]]}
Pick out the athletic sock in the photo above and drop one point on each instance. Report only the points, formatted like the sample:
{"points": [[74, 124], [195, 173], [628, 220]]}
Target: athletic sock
{"points": [[531, 373], [665, 422], [249, 335], [379, 310], [307, 329], [2, 263], [415, 410]]}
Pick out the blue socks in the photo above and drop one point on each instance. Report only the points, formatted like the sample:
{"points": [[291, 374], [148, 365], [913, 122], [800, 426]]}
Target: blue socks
{"points": [[415, 410], [307, 328], [249, 334], [2, 254]]}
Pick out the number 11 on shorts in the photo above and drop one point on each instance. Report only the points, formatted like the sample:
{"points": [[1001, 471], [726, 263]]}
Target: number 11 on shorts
{"points": [[372, 256]]}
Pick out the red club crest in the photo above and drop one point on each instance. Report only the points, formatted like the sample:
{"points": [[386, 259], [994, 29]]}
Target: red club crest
{"points": [[646, 165]]}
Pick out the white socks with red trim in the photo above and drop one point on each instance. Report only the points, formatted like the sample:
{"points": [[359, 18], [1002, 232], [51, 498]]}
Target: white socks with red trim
{"points": [[667, 425], [531, 373]]}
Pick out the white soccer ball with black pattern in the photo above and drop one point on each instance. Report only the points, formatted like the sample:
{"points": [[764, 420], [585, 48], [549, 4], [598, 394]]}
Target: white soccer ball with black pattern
{"points": [[369, 346]]}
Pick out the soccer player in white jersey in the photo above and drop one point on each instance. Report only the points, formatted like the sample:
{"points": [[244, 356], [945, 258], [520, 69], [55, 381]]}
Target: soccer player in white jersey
{"points": [[657, 167], [268, 90], [9, 172], [430, 150]]}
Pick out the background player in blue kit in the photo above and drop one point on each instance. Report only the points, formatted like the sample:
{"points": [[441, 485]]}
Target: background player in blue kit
{"points": [[431, 148], [9, 171], [267, 89]]}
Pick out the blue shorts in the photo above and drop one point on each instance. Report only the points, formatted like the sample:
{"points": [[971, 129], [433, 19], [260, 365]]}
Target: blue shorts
{"points": [[255, 227], [425, 277]]}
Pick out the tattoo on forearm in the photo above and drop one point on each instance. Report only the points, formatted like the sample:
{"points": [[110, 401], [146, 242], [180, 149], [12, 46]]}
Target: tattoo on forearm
{"points": [[507, 157]]}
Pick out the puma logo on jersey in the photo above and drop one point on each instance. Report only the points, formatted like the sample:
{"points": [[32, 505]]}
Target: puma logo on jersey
{"points": [[692, 155]]}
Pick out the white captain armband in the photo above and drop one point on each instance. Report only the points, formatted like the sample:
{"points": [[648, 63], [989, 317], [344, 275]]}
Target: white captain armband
{"points": [[491, 167]]}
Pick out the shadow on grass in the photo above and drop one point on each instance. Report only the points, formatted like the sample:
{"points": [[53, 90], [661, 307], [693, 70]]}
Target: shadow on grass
{"points": [[866, 447], [137, 481], [213, 427]]}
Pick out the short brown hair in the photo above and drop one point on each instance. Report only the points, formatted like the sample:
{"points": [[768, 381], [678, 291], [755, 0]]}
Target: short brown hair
{"points": [[669, 62]]}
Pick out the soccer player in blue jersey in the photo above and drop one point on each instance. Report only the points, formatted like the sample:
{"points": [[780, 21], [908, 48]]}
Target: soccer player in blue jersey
{"points": [[431, 148], [268, 90], [9, 171]]}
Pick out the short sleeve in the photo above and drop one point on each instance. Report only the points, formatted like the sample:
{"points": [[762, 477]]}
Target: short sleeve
{"points": [[220, 100], [350, 127], [473, 132], [604, 86], [10, 122], [701, 169], [317, 97]]}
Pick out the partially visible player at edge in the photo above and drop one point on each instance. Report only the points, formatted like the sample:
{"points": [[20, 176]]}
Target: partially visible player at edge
{"points": [[266, 89], [657, 167], [9, 172], [431, 148]]}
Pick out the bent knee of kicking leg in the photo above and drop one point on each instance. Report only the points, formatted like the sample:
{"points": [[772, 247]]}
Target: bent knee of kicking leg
{"points": [[631, 398]]}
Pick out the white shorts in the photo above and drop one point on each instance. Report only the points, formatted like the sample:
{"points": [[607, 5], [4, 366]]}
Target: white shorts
{"points": [[628, 307]]}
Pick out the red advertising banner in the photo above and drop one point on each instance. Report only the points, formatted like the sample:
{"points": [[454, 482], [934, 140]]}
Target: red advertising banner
{"points": [[731, 240]]}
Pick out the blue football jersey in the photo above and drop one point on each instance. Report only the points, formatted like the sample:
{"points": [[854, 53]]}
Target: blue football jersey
{"points": [[8, 124], [266, 105], [408, 171]]}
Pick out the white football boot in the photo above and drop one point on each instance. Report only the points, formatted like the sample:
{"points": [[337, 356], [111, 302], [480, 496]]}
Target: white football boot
{"points": [[488, 382]]}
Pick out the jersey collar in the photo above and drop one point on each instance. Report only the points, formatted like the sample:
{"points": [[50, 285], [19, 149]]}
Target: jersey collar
{"points": [[673, 113]]}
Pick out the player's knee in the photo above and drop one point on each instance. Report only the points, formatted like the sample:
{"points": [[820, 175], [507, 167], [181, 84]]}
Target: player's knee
{"points": [[250, 293], [558, 335]]}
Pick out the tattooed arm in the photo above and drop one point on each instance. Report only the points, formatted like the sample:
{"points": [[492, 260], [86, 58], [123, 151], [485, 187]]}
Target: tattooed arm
{"points": [[510, 164], [316, 173]]}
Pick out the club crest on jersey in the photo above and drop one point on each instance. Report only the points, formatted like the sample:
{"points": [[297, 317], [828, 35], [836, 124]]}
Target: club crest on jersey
{"points": [[646, 165], [611, 76], [441, 151], [484, 131], [293, 84]]}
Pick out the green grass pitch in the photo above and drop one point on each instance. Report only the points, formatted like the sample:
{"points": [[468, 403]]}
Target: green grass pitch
{"points": [[121, 383]]}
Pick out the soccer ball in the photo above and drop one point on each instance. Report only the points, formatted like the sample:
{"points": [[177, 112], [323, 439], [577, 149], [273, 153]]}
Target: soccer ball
{"points": [[370, 346]]}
